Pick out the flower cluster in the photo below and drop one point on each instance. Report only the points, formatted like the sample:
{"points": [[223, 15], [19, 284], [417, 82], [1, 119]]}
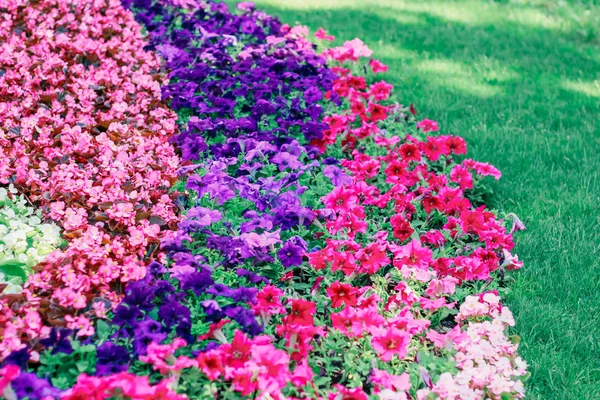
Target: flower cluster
{"points": [[26, 241], [331, 245], [84, 136]]}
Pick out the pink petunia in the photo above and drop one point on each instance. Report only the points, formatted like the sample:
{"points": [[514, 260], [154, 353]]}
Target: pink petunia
{"points": [[390, 342], [322, 35], [377, 66]]}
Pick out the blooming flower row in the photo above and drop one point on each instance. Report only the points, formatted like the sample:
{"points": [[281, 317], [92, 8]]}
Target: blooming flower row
{"points": [[84, 136], [332, 247]]}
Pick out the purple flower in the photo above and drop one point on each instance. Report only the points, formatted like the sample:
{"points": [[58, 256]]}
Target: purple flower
{"points": [[125, 314], [191, 147], [212, 310], [245, 295], [290, 254], [112, 359], [146, 332], [197, 282], [58, 340], [204, 216], [286, 160], [29, 386], [263, 107], [251, 276], [313, 95], [245, 318], [139, 294], [221, 290], [337, 176], [172, 312], [21, 357]]}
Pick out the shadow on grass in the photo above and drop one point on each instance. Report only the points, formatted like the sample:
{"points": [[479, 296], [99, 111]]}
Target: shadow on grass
{"points": [[526, 97]]}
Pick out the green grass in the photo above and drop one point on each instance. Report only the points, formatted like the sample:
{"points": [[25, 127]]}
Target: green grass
{"points": [[520, 80]]}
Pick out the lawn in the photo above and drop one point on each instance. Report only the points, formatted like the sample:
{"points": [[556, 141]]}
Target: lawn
{"points": [[521, 82]]}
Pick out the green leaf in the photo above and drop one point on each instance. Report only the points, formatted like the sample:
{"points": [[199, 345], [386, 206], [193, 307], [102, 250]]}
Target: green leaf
{"points": [[102, 330], [13, 268]]}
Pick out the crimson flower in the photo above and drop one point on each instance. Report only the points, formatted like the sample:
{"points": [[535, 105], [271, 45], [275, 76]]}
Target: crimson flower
{"points": [[302, 312], [342, 293]]}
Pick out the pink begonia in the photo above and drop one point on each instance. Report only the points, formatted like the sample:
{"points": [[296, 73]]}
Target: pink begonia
{"points": [[96, 159], [79, 324]]}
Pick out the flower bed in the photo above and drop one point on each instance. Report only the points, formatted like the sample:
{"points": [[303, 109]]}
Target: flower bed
{"points": [[331, 245], [84, 137]]}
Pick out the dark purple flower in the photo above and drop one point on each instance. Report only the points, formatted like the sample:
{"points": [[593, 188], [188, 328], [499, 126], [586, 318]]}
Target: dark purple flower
{"points": [[313, 95], [212, 310], [125, 314], [172, 312], [197, 282], [29, 386], [251, 276], [290, 254], [111, 359], [191, 147], [146, 332], [139, 294], [19, 358], [263, 107], [59, 341], [245, 318]]}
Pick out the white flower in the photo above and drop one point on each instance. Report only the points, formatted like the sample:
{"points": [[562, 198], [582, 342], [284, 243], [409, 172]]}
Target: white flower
{"points": [[23, 237]]}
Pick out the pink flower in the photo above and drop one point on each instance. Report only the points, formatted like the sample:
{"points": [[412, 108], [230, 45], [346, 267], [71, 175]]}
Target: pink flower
{"points": [[7, 374], [380, 91], [210, 363], [162, 357], [268, 301], [302, 375], [428, 125], [388, 381], [412, 254], [80, 324], [377, 66], [321, 34], [344, 393], [388, 342]]}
